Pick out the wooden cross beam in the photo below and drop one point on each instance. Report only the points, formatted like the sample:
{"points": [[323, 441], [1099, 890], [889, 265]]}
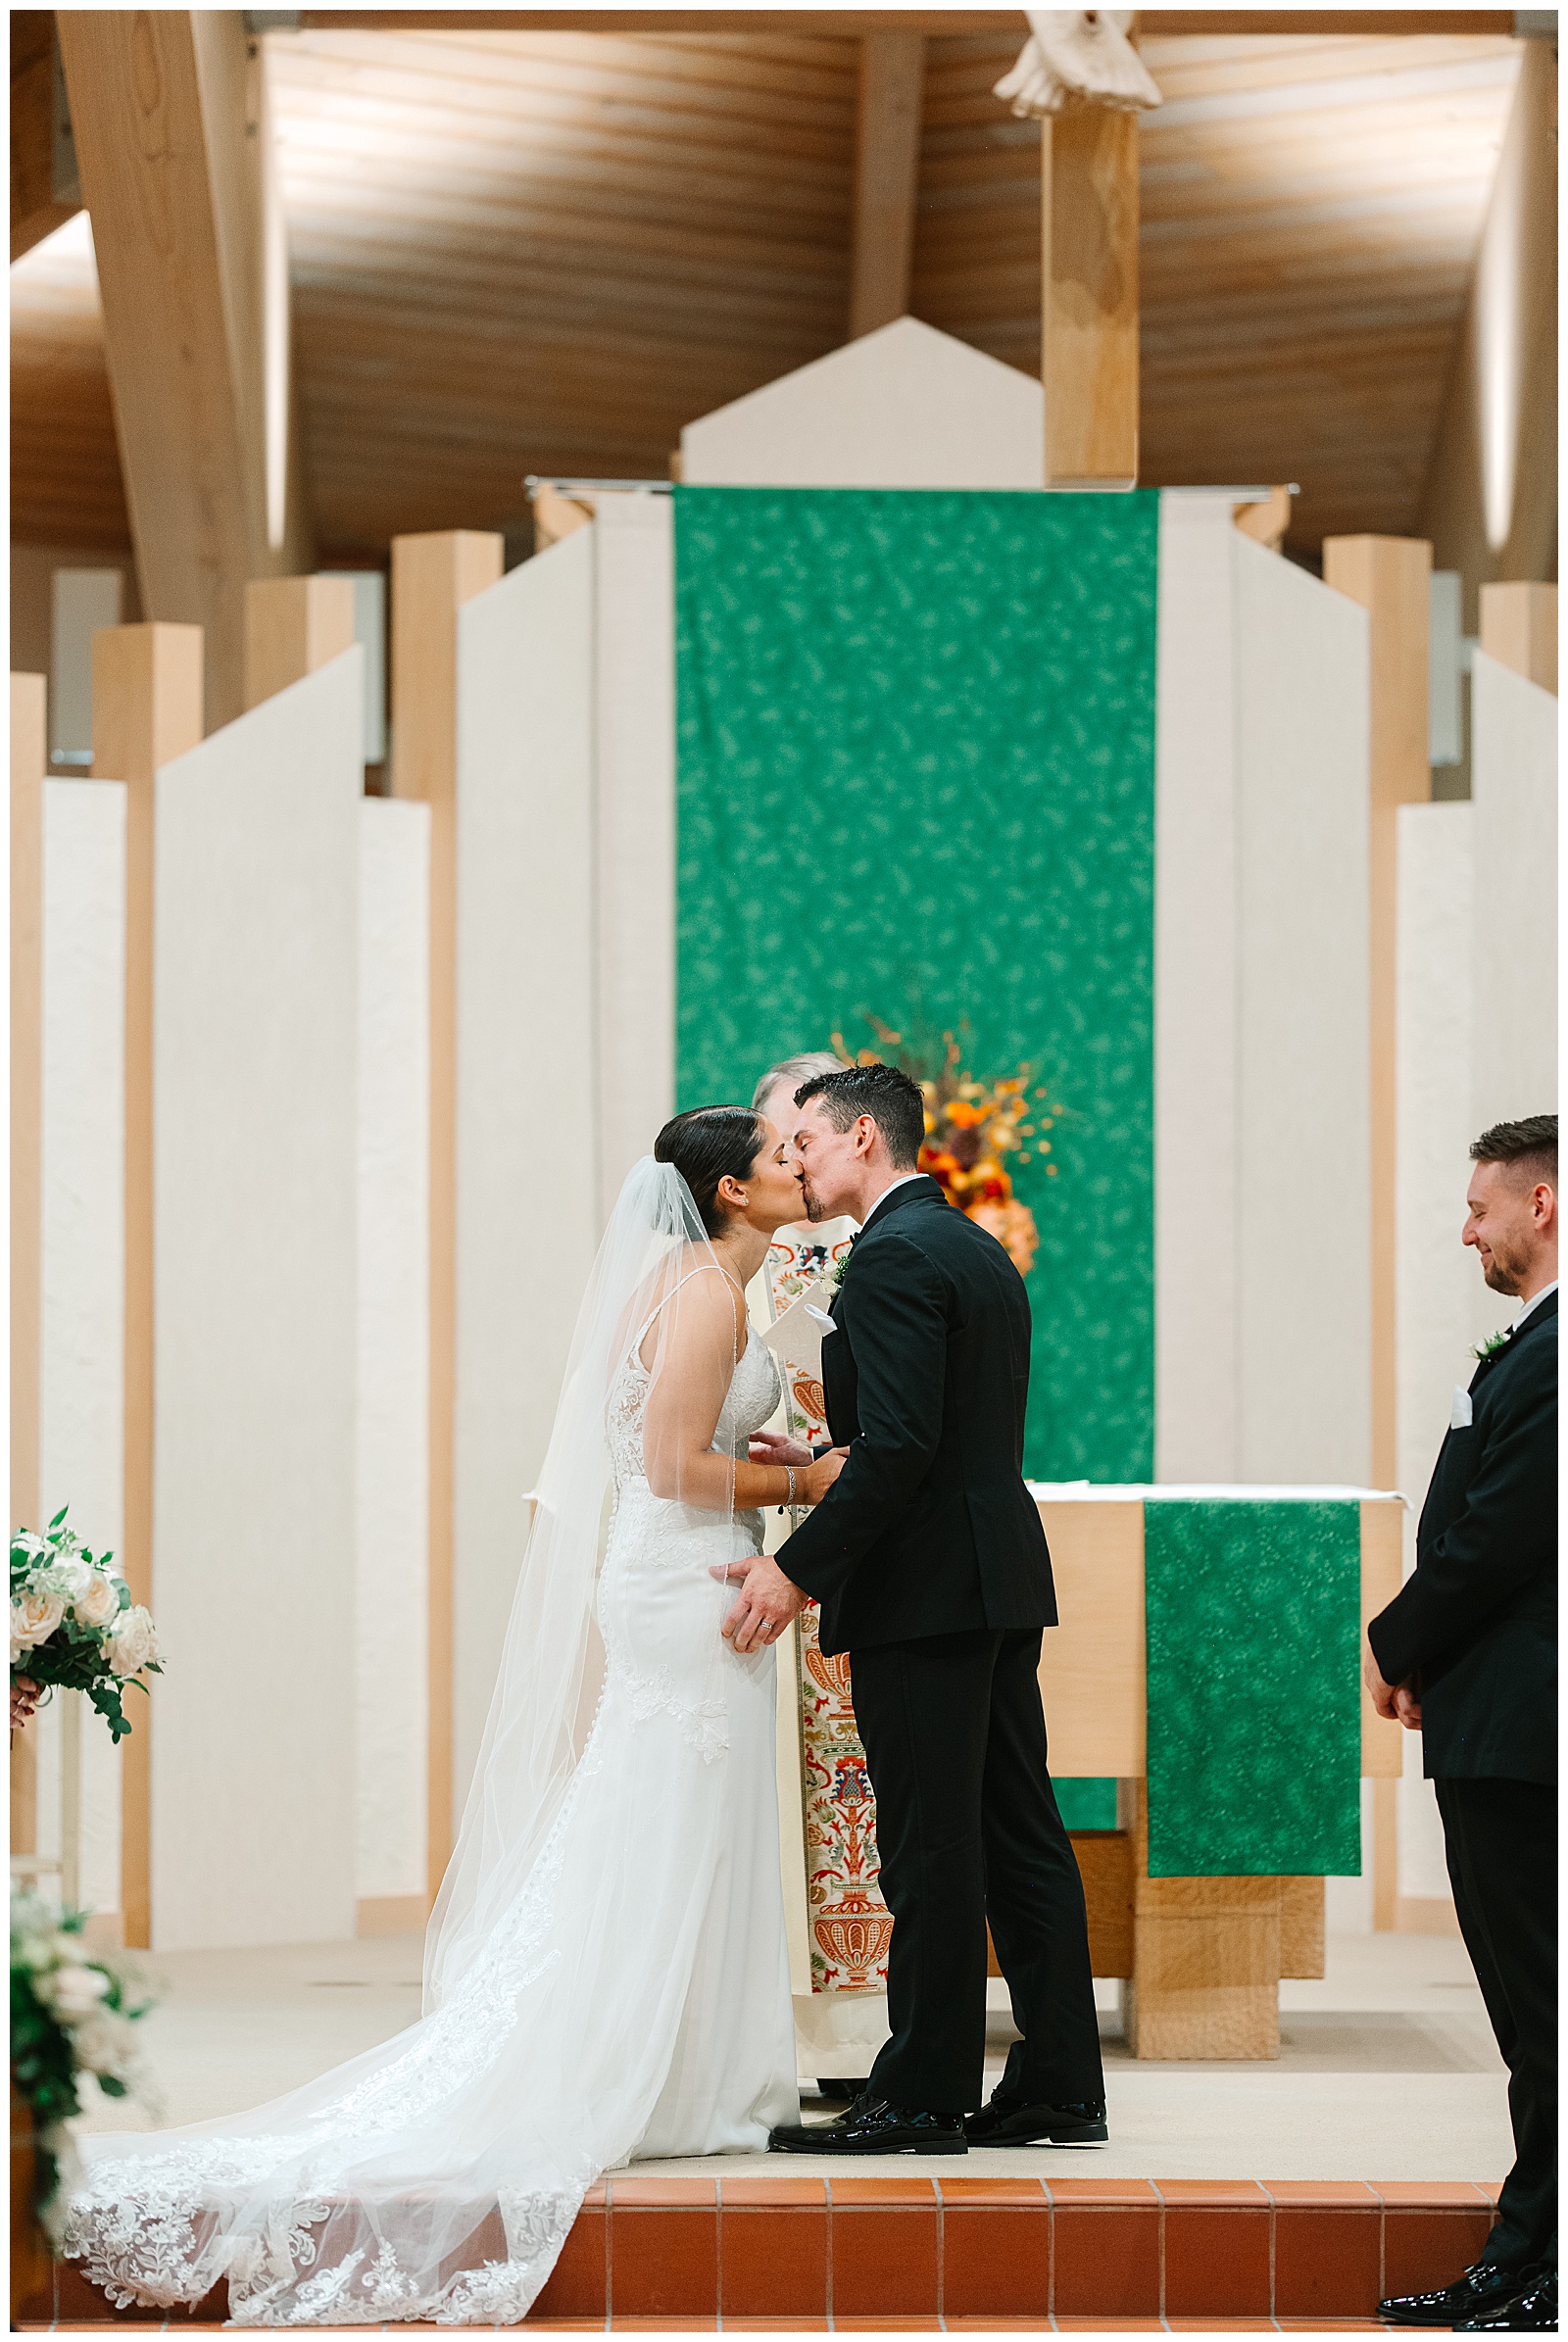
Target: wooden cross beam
{"points": [[1089, 297]]}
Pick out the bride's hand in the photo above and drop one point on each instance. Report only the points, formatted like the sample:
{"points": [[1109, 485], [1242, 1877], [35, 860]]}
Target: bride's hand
{"points": [[813, 1485], [773, 1448]]}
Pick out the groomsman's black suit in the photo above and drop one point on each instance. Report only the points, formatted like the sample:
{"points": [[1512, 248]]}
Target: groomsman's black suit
{"points": [[1475, 1628], [930, 1565]]}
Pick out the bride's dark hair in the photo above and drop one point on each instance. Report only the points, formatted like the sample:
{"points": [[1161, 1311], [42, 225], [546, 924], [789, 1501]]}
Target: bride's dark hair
{"points": [[707, 1145]]}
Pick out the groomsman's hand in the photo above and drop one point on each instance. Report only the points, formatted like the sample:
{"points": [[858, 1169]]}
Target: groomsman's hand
{"points": [[1383, 1694], [1407, 1708], [766, 1604], [774, 1448]]}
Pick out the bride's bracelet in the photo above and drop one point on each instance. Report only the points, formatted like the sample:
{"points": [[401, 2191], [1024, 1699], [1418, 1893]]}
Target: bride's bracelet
{"points": [[788, 1474]]}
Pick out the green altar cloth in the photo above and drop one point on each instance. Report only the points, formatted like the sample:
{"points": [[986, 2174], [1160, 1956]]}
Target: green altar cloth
{"points": [[915, 780], [1253, 1613], [1086, 1803]]}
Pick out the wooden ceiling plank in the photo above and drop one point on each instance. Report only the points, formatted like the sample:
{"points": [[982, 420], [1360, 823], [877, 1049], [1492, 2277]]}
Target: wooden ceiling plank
{"points": [[593, 77]]}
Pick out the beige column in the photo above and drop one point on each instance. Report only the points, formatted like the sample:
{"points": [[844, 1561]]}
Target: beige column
{"points": [[1519, 629], [1089, 309], [432, 577], [29, 760], [1391, 579], [146, 709], [293, 626]]}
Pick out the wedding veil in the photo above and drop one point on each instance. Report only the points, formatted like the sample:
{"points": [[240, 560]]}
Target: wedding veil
{"points": [[655, 1264]]}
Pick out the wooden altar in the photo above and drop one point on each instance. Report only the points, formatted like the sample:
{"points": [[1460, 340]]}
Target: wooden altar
{"points": [[1202, 1957]]}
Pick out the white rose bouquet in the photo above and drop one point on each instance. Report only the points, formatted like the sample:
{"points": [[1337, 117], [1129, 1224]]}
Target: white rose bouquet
{"points": [[73, 1623], [73, 2011]]}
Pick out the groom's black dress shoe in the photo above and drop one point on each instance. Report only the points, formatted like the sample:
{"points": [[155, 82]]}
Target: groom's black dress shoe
{"points": [[1532, 2312], [1009, 2122], [1482, 2292], [870, 2127], [1012, 2119]]}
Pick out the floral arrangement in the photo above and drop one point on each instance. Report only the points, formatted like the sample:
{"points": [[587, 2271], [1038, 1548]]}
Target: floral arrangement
{"points": [[972, 1128], [73, 1623], [71, 2013]]}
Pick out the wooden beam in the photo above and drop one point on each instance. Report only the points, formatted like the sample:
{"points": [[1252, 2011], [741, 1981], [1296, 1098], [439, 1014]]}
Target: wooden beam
{"points": [[293, 626], [1089, 308], [432, 577], [146, 709], [887, 177], [166, 110], [938, 22], [45, 191], [30, 762], [1519, 627], [1391, 579]]}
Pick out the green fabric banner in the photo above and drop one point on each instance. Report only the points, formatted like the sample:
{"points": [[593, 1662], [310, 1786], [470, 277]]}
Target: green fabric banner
{"points": [[1086, 1803], [916, 781], [1253, 1614]]}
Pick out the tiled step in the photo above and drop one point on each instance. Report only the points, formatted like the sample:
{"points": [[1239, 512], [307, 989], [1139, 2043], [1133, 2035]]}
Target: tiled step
{"points": [[886, 2251]]}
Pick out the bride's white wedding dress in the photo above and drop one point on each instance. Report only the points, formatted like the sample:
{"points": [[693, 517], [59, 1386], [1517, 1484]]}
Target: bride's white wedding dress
{"points": [[626, 1994]]}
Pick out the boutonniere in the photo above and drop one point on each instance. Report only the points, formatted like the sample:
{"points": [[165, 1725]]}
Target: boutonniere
{"points": [[835, 1275], [1485, 1350]]}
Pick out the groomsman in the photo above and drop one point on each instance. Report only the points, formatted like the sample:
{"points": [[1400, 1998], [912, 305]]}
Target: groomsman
{"points": [[1467, 1653]]}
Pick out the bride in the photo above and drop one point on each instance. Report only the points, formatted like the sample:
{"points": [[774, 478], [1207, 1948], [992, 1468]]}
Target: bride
{"points": [[606, 1974]]}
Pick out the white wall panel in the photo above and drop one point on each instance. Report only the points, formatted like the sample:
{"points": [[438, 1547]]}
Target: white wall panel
{"points": [[81, 1412], [1514, 796], [256, 975], [1436, 1277], [1304, 1151], [906, 407], [1196, 1264], [1435, 1123], [634, 717], [391, 1638], [528, 1188]]}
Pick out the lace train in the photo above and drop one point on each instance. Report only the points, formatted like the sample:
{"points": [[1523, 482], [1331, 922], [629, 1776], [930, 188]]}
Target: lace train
{"points": [[633, 1998]]}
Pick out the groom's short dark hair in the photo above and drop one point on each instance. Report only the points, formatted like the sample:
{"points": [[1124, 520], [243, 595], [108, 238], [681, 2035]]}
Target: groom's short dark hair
{"points": [[1530, 1147], [893, 1101]]}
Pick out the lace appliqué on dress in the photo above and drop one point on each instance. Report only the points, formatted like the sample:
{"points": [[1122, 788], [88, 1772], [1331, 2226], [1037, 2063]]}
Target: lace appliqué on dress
{"points": [[704, 1724]]}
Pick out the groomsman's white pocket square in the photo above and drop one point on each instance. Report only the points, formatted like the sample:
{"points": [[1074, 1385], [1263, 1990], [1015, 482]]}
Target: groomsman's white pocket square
{"points": [[1464, 1413]]}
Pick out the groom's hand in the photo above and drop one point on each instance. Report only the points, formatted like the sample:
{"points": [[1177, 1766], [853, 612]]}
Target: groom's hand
{"points": [[766, 1604], [773, 1448]]}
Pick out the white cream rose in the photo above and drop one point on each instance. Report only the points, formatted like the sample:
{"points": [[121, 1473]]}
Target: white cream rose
{"points": [[72, 1990], [96, 1603], [106, 2044], [131, 1643], [36, 1613]]}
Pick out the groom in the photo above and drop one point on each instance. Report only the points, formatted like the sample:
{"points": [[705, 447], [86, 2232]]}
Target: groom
{"points": [[930, 1565]]}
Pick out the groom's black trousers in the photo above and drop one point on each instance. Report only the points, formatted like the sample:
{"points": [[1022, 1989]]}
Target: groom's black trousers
{"points": [[968, 1829]]}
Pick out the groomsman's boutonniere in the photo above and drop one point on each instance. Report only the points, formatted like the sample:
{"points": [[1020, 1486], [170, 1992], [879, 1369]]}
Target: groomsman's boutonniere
{"points": [[1489, 1348]]}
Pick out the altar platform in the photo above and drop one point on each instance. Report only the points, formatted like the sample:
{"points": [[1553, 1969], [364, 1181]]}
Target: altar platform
{"points": [[1291, 2194]]}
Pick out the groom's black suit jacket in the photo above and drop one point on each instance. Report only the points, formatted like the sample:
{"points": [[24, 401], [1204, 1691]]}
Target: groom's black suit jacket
{"points": [[1476, 1623], [929, 1529]]}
